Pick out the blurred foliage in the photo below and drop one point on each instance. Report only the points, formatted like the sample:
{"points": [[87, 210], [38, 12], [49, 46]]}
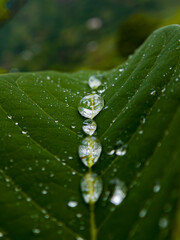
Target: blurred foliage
{"points": [[4, 12], [2, 71], [8, 8], [133, 32], [68, 35]]}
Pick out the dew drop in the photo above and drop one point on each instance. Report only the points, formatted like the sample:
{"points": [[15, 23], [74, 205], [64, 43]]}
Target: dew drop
{"points": [[110, 153], [156, 188], [163, 223], [36, 230], [95, 81], [90, 151], [143, 213], [91, 105], [44, 192], [72, 204], [89, 126], [79, 238], [24, 132], [153, 92], [91, 187], [78, 215], [121, 148], [119, 191]]}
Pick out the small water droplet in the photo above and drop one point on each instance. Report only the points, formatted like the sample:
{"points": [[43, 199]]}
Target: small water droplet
{"points": [[95, 81], [90, 150], [72, 204], [119, 191], [121, 148], [44, 192], [91, 187], [78, 215], [156, 188], [153, 92], [121, 69], [111, 152], [79, 238], [143, 213], [23, 132], [163, 223], [91, 105], [89, 126], [36, 230]]}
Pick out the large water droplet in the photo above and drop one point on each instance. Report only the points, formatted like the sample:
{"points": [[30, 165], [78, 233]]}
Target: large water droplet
{"points": [[90, 150], [89, 126], [91, 105], [119, 192], [91, 187], [95, 81]]}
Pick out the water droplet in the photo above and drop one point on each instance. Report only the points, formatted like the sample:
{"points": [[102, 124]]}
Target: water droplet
{"points": [[44, 192], [36, 230], [121, 148], [143, 213], [95, 81], [156, 188], [153, 92], [89, 126], [90, 150], [24, 132], [119, 191], [163, 223], [79, 238], [72, 204], [111, 152], [91, 187], [91, 105], [78, 215]]}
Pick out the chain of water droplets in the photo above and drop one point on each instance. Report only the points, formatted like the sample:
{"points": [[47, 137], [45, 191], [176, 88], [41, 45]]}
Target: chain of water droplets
{"points": [[90, 150], [90, 147]]}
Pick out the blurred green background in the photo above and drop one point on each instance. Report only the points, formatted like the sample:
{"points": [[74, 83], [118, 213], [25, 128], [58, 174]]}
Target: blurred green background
{"points": [[69, 35]]}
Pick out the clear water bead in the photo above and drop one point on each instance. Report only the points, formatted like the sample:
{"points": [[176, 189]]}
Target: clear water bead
{"points": [[90, 151], [89, 126], [119, 191], [72, 204], [121, 148], [91, 105], [91, 187], [95, 81]]}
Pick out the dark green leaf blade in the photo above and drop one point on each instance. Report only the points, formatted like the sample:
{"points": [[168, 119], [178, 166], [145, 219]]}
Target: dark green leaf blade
{"points": [[41, 131]]}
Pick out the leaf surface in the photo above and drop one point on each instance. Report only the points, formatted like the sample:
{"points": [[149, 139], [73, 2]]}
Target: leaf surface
{"points": [[41, 130]]}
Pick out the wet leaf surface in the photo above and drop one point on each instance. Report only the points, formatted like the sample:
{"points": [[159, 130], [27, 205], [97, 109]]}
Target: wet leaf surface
{"points": [[41, 130]]}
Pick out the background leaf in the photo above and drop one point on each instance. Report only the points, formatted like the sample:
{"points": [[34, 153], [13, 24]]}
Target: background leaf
{"points": [[41, 130]]}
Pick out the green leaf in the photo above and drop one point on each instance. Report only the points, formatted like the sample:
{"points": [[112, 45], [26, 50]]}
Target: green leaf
{"points": [[41, 130]]}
